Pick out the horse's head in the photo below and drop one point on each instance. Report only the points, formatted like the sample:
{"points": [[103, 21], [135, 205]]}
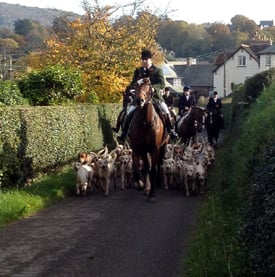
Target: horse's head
{"points": [[143, 91]]}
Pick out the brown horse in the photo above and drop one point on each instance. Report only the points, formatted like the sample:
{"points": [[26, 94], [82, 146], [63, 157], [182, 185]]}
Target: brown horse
{"points": [[190, 124], [147, 139]]}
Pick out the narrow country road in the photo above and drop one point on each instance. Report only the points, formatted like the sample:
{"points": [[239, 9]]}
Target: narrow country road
{"points": [[121, 235]]}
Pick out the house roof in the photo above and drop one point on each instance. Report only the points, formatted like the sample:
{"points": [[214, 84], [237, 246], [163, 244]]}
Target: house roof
{"points": [[196, 75], [266, 23], [168, 71], [243, 47], [257, 47], [268, 50]]}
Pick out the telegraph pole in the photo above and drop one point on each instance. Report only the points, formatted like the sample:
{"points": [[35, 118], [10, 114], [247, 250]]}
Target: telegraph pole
{"points": [[224, 73], [10, 67], [7, 68]]}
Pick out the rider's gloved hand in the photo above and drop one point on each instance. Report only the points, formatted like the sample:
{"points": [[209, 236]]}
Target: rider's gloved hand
{"points": [[139, 82]]}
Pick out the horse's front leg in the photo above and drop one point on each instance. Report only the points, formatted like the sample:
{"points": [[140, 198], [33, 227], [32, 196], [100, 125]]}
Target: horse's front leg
{"points": [[147, 184], [153, 176], [146, 171], [136, 171]]}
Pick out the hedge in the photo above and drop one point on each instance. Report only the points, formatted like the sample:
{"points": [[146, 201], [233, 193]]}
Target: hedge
{"points": [[35, 139]]}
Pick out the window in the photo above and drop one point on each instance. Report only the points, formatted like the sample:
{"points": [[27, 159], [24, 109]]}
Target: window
{"points": [[268, 60], [177, 82], [241, 60]]}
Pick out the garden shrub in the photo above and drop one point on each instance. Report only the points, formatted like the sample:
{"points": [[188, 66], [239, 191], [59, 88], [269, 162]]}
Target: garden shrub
{"points": [[10, 94], [51, 86]]}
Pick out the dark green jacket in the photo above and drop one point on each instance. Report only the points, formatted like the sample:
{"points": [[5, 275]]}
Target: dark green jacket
{"points": [[156, 77]]}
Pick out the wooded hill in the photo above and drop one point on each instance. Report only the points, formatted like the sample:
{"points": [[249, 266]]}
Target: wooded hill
{"points": [[9, 13]]}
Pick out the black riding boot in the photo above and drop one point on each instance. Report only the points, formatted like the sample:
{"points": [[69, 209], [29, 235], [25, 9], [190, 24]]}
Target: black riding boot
{"points": [[119, 121], [125, 127], [170, 128]]}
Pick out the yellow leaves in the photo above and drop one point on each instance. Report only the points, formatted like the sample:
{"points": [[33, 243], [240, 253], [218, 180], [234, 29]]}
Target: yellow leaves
{"points": [[106, 53]]}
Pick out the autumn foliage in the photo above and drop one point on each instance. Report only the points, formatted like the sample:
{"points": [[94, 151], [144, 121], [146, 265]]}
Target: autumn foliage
{"points": [[105, 52]]}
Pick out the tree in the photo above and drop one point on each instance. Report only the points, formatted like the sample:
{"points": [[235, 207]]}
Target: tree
{"points": [[23, 26], [172, 35], [61, 27], [7, 45], [221, 36], [35, 38], [106, 51]]}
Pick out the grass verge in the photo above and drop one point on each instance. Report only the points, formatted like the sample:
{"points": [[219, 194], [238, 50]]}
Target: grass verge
{"points": [[20, 203], [217, 248]]}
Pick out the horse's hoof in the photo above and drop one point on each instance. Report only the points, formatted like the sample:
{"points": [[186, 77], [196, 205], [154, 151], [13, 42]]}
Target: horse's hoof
{"points": [[140, 185], [146, 192], [152, 199]]}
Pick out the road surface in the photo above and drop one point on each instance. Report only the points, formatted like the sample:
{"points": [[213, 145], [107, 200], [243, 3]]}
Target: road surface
{"points": [[121, 235]]}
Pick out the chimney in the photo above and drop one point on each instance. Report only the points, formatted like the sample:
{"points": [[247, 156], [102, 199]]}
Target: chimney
{"points": [[189, 61]]}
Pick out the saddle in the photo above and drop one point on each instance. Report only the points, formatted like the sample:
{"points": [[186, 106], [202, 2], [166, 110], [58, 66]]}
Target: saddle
{"points": [[160, 113]]}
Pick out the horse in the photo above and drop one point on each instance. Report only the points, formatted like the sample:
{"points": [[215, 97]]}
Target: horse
{"points": [[213, 125], [147, 139], [190, 124]]}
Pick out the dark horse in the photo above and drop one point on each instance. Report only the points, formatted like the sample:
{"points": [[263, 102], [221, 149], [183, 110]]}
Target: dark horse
{"points": [[147, 139], [213, 125], [190, 124]]}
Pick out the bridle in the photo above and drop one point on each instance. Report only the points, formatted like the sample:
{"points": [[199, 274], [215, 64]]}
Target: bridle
{"points": [[144, 92]]}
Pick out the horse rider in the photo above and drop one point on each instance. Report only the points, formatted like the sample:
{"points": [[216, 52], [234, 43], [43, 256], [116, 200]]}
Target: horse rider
{"points": [[169, 100], [214, 105], [128, 97], [186, 101], [155, 74]]}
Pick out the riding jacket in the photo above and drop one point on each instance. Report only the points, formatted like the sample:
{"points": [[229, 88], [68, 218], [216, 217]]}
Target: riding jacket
{"points": [[214, 106], [183, 102], [156, 77], [169, 100]]}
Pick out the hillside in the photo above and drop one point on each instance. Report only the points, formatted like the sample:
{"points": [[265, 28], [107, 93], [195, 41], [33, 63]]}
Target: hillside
{"points": [[9, 13]]}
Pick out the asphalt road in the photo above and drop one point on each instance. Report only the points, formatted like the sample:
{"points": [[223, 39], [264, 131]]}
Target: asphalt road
{"points": [[121, 235]]}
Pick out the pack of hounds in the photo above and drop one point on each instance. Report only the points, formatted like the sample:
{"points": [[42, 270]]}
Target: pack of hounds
{"points": [[184, 167]]}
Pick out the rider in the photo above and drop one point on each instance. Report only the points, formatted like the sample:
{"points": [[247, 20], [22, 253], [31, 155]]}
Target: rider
{"points": [[186, 101], [214, 105], [148, 69], [128, 96], [169, 100]]}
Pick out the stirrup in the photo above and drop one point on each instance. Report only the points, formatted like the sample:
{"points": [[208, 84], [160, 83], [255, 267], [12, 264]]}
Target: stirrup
{"points": [[173, 134], [122, 138]]}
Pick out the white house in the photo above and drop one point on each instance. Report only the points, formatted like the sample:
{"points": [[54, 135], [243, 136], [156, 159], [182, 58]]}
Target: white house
{"points": [[240, 65], [267, 58]]}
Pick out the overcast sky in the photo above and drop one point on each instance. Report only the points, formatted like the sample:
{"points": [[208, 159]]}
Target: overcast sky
{"points": [[191, 11]]}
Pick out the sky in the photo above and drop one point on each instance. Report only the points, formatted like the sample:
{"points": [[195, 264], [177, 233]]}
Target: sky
{"points": [[191, 11]]}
